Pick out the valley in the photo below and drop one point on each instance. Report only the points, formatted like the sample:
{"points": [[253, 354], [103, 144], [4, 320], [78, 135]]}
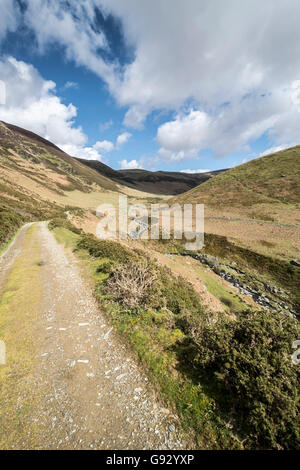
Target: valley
{"points": [[155, 333], [150, 229]]}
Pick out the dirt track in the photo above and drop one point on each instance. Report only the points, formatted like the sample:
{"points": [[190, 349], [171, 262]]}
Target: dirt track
{"points": [[88, 391]]}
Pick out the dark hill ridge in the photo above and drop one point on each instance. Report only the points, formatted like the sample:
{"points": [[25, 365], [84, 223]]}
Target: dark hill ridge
{"points": [[156, 182]]}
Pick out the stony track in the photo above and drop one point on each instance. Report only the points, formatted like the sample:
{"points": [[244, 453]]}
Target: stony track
{"points": [[92, 394]]}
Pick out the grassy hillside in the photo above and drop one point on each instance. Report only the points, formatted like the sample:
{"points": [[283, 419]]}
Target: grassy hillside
{"points": [[267, 180], [39, 181], [34, 148], [255, 205]]}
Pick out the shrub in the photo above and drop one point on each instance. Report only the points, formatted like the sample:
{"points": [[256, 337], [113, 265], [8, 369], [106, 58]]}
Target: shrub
{"points": [[130, 284], [64, 223], [248, 362], [105, 249], [106, 267], [226, 301], [179, 295], [10, 221]]}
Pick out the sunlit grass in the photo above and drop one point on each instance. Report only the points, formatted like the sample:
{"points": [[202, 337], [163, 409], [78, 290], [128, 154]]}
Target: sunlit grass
{"points": [[19, 311], [230, 300]]}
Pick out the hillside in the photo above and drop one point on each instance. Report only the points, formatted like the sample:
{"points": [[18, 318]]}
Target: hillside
{"points": [[35, 149], [267, 180], [156, 182], [38, 181], [255, 205]]}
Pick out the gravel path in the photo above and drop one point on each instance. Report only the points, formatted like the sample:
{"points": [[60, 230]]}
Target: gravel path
{"points": [[95, 396]]}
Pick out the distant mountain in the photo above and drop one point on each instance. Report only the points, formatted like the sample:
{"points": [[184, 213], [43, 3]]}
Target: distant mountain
{"points": [[272, 179], [155, 182]]}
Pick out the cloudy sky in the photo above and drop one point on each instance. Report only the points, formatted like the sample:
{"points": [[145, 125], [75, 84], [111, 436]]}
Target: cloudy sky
{"points": [[160, 84]]}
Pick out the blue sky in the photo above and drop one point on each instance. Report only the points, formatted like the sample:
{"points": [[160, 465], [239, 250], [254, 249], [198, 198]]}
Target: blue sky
{"points": [[158, 85]]}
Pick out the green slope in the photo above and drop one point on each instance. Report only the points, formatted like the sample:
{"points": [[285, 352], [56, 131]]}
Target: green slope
{"points": [[274, 178]]}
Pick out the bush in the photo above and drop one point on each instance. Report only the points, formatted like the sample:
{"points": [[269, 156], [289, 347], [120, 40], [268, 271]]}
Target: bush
{"points": [[10, 222], [105, 249], [64, 223], [248, 364], [106, 267], [130, 284], [179, 295]]}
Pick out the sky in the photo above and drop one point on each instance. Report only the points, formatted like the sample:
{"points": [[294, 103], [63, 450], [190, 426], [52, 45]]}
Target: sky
{"points": [[172, 85]]}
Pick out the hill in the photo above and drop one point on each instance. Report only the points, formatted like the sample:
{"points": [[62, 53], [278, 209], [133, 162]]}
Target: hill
{"points": [[40, 151], [272, 179], [39, 181], [255, 205], [156, 182]]}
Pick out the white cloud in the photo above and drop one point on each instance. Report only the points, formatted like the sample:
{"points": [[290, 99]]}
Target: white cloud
{"points": [[275, 149], [2, 93], [221, 56], [86, 153], [122, 139], [211, 51], [70, 85], [181, 138], [9, 17], [130, 165], [194, 172], [31, 103], [174, 156], [73, 28], [105, 125], [234, 126], [104, 146], [135, 117]]}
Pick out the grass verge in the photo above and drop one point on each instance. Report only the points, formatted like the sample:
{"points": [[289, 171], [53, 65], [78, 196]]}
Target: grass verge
{"points": [[18, 315]]}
